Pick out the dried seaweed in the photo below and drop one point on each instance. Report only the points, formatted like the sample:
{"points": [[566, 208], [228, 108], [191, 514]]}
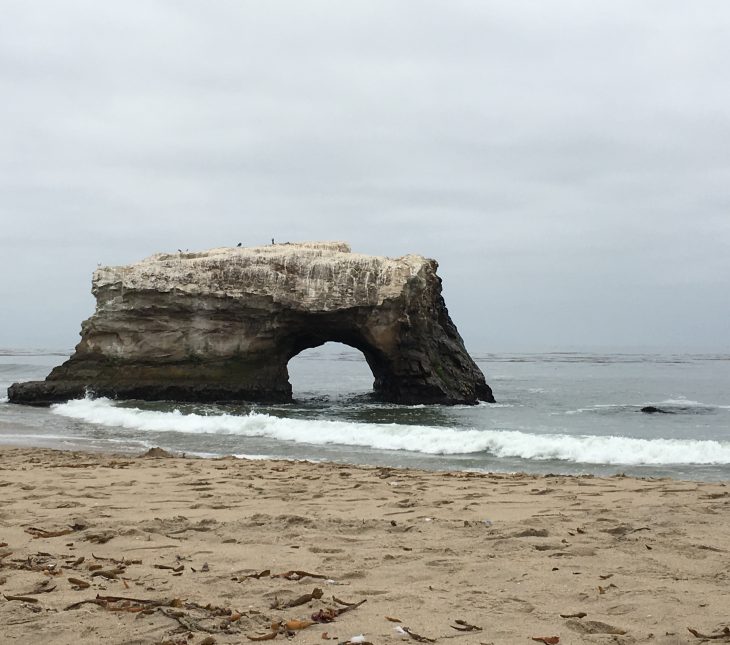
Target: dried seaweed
{"points": [[42, 533], [109, 574], [417, 637], [178, 569], [316, 594], [121, 562], [21, 598], [296, 574], [185, 621], [122, 603], [326, 615], [463, 626], [256, 576], [723, 635]]}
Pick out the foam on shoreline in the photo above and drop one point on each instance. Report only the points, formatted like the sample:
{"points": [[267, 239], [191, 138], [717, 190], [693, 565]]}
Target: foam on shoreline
{"points": [[432, 440]]}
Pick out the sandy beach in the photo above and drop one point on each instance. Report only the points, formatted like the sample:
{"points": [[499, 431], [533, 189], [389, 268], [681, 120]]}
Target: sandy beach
{"points": [[118, 549]]}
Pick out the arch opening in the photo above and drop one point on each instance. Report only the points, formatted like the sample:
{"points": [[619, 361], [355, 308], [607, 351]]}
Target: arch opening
{"points": [[330, 370]]}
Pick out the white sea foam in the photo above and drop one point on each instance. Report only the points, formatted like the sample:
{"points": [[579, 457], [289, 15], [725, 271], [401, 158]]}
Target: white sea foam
{"points": [[682, 401], [423, 439]]}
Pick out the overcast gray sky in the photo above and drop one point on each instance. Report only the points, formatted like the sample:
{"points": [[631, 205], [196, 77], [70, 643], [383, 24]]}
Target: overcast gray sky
{"points": [[567, 162]]}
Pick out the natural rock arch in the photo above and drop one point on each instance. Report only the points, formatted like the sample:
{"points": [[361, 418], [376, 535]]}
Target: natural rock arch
{"points": [[222, 325]]}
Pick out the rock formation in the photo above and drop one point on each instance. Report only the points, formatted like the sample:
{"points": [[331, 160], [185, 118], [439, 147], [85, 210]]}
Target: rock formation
{"points": [[650, 409], [221, 325]]}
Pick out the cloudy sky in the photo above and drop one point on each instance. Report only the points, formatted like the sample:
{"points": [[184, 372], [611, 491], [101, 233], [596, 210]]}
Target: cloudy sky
{"points": [[567, 162]]}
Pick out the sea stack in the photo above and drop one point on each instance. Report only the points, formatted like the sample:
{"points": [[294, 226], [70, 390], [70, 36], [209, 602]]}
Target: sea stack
{"points": [[221, 325]]}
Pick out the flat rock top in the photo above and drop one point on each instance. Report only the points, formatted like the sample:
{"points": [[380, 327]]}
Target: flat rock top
{"points": [[314, 276]]}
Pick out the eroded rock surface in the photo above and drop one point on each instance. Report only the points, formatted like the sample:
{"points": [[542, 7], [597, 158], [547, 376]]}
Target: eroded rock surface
{"points": [[221, 325]]}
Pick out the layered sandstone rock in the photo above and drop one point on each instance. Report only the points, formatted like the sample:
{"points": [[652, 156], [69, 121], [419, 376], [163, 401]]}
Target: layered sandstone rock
{"points": [[221, 325]]}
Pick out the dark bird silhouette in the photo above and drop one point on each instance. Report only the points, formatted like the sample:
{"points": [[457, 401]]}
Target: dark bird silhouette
{"points": [[239, 244], [272, 240]]}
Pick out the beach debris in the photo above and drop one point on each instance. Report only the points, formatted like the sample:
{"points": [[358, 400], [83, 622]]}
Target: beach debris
{"points": [[40, 563], [177, 569], [123, 562], [295, 624], [326, 615], [185, 621], [45, 586], [208, 640], [578, 614], [77, 584], [265, 637], [21, 598], [296, 574], [109, 574], [347, 606], [547, 640], [531, 533], [100, 537], [255, 575], [72, 564], [463, 626], [406, 631], [393, 620], [43, 533], [122, 603], [316, 594], [594, 627], [723, 635]]}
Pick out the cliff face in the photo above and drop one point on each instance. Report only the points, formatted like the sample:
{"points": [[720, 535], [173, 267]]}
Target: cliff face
{"points": [[221, 325]]}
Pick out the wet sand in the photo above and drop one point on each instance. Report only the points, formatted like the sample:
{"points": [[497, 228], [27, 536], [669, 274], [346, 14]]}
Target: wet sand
{"points": [[113, 549]]}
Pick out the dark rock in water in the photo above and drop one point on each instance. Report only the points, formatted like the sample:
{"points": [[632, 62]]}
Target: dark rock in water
{"points": [[221, 325], [157, 453], [650, 409]]}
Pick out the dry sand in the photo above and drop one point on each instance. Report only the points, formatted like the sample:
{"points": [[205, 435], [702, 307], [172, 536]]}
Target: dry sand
{"points": [[645, 559]]}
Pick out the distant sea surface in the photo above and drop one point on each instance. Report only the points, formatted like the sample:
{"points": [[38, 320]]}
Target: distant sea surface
{"points": [[565, 413]]}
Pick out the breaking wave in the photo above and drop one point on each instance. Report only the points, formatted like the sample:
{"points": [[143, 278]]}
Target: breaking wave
{"points": [[423, 439]]}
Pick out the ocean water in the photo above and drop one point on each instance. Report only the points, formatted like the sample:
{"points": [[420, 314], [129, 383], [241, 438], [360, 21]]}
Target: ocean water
{"points": [[571, 412]]}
